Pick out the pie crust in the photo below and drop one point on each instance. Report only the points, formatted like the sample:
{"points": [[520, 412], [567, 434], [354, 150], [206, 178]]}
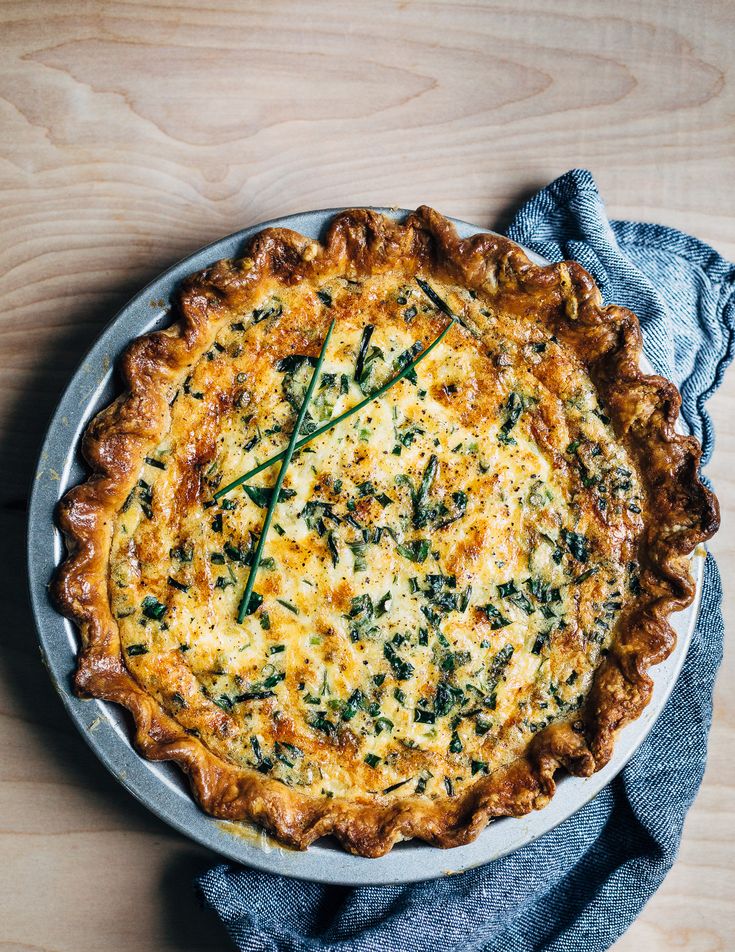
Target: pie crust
{"points": [[677, 513]]}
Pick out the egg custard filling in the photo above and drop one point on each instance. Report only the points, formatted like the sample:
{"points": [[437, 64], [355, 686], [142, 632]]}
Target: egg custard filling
{"points": [[438, 584], [382, 533]]}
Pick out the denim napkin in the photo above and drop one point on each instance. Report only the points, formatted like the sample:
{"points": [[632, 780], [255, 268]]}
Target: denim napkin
{"points": [[581, 885]]}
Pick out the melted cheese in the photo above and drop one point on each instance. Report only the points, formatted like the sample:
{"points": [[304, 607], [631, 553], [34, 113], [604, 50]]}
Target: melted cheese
{"points": [[409, 640]]}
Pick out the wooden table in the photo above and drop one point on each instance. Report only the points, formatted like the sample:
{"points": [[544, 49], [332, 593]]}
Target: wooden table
{"points": [[133, 133]]}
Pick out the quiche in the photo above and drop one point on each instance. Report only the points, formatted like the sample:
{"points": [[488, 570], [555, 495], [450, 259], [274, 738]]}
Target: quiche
{"points": [[460, 578]]}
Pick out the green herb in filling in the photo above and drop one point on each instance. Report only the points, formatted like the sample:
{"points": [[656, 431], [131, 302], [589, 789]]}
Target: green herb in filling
{"points": [[133, 650], [180, 586], [513, 410], [153, 609], [262, 495], [577, 544], [403, 670], [497, 620], [416, 550]]}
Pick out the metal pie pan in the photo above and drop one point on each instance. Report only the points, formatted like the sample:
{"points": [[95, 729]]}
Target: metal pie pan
{"points": [[161, 786]]}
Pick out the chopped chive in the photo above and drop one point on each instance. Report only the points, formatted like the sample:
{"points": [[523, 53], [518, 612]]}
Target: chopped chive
{"points": [[178, 585], [254, 696], [235, 554], [464, 599], [541, 642], [367, 333], [585, 575], [407, 356], [383, 605], [288, 605], [422, 781], [403, 670], [514, 407], [395, 786], [153, 609], [482, 726], [383, 724], [435, 299], [416, 550], [323, 724], [333, 549], [496, 618], [274, 679], [420, 502], [358, 550], [522, 602], [352, 704], [577, 544], [133, 650], [261, 496]]}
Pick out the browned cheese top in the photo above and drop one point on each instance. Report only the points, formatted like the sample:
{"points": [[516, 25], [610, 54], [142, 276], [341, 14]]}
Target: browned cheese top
{"points": [[444, 570]]}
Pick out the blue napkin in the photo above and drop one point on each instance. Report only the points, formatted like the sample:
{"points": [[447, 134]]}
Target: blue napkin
{"points": [[581, 885]]}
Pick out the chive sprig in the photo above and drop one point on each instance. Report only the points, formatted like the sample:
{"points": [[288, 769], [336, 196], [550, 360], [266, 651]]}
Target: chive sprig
{"points": [[286, 457], [330, 424]]}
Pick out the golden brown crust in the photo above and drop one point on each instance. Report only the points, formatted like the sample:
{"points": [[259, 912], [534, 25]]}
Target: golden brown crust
{"points": [[680, 513]]}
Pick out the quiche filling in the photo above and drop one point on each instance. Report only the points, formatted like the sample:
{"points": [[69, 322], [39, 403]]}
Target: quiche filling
{"points": [[445, 567]]}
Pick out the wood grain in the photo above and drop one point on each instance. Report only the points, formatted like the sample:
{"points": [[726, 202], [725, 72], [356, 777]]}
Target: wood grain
{"points": [[133, 133]]}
